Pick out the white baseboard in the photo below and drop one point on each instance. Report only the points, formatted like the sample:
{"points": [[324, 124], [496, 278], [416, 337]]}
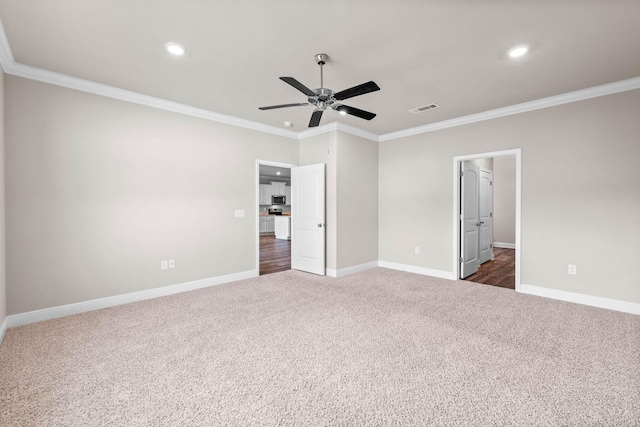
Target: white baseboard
{"points": [[610, 304], [504, 245], [3, 329], [96, 304], [418, 270], [351, 270]]}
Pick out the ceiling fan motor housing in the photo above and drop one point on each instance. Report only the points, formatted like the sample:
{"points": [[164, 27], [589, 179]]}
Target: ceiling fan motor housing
{"points": [[324, 98], [323, 94]]}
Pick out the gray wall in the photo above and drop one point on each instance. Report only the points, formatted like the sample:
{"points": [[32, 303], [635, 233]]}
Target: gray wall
{"points": [[357, 201], [580, 192], [99, 191], [351, 195], [504, 200], [3, 276]]}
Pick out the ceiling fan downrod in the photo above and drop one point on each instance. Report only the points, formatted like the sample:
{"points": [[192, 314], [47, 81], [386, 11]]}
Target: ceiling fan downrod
{"points": [[321, 59]]}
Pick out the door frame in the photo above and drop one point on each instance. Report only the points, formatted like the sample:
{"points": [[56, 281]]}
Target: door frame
{"points": [[457, 160], [257, 203]]}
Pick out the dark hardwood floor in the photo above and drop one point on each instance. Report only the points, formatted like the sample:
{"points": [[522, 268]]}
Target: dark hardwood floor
{"points": [[275, 254], [499, 272]]}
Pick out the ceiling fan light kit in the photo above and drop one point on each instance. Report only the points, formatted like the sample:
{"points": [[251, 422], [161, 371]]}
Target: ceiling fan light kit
{"points": [[322, 98]]}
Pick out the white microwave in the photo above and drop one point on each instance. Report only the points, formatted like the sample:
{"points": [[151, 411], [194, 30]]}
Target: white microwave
{"points": [[278, 200]]}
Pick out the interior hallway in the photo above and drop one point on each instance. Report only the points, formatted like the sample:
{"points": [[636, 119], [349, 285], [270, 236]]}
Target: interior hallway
{"points": [[500, 272]]}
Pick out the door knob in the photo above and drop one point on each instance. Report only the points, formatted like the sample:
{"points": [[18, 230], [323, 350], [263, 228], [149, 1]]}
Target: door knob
{"points": [[320, 225]]}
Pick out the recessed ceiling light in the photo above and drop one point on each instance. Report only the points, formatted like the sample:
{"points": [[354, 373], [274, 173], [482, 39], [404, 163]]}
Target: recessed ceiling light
{"points": [[518, 51], [288, 124], [175, 48], [278, 173]]}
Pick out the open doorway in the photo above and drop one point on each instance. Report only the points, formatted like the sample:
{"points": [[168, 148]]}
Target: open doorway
{"points": [[487, 234], [273, 190]]}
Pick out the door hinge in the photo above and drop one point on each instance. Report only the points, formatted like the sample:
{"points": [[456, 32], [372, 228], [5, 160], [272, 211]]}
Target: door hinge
{"points": [[491, 245], [490, 182], [460, 217], [461, 174], [490, 214], [461, 260]]}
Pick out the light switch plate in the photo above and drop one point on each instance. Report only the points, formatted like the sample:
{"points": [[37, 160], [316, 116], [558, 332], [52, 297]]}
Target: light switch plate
{"points": [[239, 213]]}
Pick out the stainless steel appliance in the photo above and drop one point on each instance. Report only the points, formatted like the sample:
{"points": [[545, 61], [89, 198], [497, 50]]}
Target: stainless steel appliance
{"points": [[278, 200]]}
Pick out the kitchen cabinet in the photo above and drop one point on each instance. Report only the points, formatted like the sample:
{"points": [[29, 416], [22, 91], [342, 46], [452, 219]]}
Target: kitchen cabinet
{"points": [[287, 193], [267, 224], [265, 194], [278, 188]]}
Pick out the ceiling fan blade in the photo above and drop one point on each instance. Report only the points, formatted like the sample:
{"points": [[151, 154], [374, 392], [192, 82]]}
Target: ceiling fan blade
{"points": [[271, 107], [302, 88], [356, 112], [315, 118], [356, 90]]}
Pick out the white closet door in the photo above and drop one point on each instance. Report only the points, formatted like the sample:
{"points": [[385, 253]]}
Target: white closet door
{"points": [[469, 222], [486, 215]]}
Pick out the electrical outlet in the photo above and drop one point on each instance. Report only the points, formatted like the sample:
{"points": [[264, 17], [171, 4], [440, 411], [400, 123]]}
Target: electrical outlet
{"points": [[571, 269], [164, 264], [239, 213], [416, 250], [172, 263]]}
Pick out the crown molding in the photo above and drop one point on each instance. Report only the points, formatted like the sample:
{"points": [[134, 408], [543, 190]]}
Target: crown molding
{"points": [[6, 56], [338, 126], [70, 82], [10, 66], [58, 79], [320, 130], [358, 132], [552, 101]]}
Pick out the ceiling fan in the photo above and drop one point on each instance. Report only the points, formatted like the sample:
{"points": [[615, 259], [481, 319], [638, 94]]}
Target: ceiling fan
{"points": [[322, 97]]}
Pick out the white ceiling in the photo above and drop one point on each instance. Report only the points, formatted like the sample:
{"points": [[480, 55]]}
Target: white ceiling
{"points": [[452, 53], [272, 172]]}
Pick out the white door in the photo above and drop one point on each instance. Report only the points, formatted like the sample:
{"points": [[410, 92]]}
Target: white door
{"points": [[307, 219], [486, 215], [469, 222]]}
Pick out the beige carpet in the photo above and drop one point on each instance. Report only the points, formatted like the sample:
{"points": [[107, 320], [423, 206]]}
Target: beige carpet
{"points": [[379, 348]]}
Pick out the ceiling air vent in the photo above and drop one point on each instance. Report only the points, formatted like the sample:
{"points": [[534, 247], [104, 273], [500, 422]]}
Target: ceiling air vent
{"points": [[424, 108]]}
